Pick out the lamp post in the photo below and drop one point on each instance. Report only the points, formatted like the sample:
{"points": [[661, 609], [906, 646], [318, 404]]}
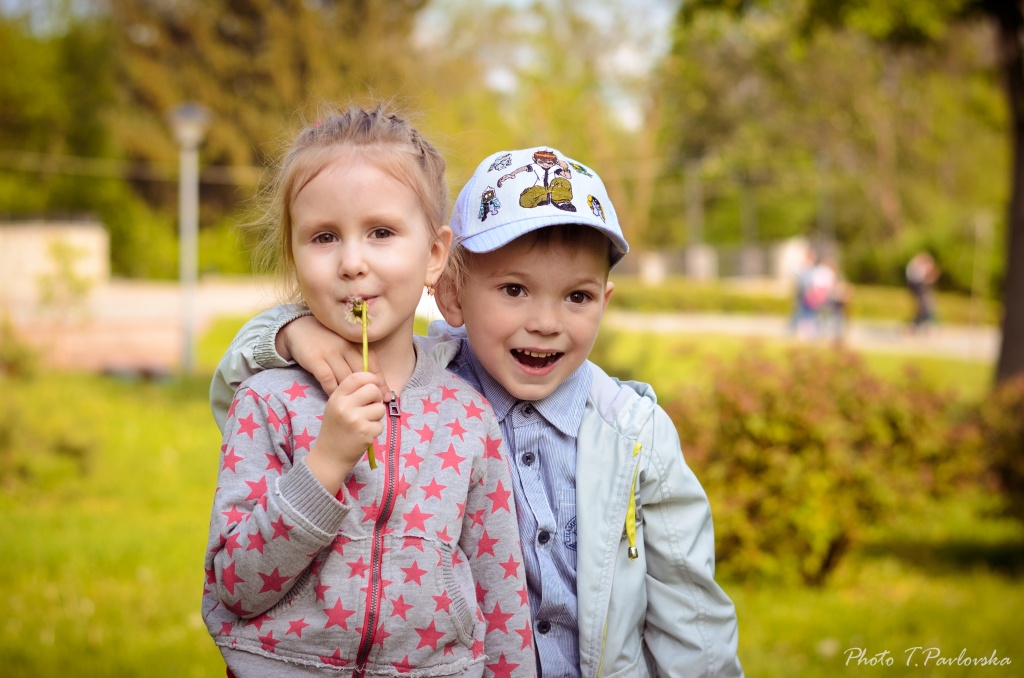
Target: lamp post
{"points": [[189, 121]]}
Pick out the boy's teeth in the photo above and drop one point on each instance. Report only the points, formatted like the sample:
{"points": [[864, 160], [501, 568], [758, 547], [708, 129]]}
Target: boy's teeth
{"points": [[537, 355]]}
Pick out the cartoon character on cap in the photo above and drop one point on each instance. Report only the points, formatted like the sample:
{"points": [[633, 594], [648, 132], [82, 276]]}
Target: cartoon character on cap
{"points": [[489, 203], [551, 182]]}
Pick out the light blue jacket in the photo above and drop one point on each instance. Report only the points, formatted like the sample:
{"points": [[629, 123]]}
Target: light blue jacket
{"points": [[661, 614]]}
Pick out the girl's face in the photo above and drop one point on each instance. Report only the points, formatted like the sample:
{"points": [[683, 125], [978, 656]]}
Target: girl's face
{"points": [[359, 232]]}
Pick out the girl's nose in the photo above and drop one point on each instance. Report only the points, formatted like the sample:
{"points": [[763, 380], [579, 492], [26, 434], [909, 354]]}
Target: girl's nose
{"points": [[352, 263]]}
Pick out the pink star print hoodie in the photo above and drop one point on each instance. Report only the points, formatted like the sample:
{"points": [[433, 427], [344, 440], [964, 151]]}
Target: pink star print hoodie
{"points": [[413, 569]]}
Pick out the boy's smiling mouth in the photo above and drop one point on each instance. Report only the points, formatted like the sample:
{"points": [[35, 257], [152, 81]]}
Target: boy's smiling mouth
{"points": [[535, 359]]}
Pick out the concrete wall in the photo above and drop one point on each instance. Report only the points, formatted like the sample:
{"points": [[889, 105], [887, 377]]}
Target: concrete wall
{"points": [[34, 252]]}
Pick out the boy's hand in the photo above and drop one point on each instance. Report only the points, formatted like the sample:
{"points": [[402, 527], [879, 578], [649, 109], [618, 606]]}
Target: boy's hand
{"points": [[353, 418], [324, 354]]}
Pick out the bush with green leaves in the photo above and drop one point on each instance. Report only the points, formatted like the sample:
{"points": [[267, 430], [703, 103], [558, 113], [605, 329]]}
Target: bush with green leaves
{"points": [[994, 431], [801, 455]]}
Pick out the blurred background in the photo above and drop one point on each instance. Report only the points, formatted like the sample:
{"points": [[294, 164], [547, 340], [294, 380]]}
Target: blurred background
{"points": [[825, 287]]}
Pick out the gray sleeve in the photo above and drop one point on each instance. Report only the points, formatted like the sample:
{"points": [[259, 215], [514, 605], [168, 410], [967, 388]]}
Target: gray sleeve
{"points": [[253, 349]]}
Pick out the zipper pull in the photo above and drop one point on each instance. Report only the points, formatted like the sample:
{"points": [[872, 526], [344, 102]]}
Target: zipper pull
{"points": [[393, 406]]}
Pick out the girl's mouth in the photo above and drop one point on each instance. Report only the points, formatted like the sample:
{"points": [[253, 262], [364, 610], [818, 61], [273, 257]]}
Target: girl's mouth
{"points": [[536, 359]]}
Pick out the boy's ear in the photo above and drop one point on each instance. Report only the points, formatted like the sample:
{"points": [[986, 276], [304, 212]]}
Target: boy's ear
{"points": [[608, 289], [447, 298]]}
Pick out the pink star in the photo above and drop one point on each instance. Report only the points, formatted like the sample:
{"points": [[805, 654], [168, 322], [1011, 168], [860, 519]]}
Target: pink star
{"points": [[320, 589], [237, 609], [473, 412], [499, 498], [527, 635], [269, 641], [511, 567], [457, 429], [524, 596], [225, 629], [256, 541], [426, 434], [295, 626], [335, 659], [443, 602], [230, 459], [429, 636], [451, 459], [234, 515], [358, 567], [492, 447], [477, 517], [504, 668], [303, 439], [273, 462], [370, 512], [443, 535], [231, 410], [247, 426], [478, 648], [257, 488], [231, 543], [281, 529], [449, 393], [429, 406], [352, 485], [338, 545], [296, 391], [433, 489], [416, 518], [273, 419], [414, 573], [403, 419], [462, 510], [400, 607], [496, 619], [403, 666], [481, 593], [486, 544], [338, 616], [412, 459], [412, 542], [401, 486], [229, 579], [273, 581]]}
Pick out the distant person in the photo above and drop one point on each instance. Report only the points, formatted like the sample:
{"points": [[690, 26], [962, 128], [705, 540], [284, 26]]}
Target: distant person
{"points": [[922, 273], [616, 528], [814, 284], [838, 304], [318, 561]]}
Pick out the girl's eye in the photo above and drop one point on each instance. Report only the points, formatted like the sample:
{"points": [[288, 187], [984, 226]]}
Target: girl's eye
{"points": [[579, 297], [380, 233], [324, 238], [513, 290]]}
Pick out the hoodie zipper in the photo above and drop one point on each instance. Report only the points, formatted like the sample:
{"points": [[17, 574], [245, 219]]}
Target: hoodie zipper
{"points": [[373, 597]]}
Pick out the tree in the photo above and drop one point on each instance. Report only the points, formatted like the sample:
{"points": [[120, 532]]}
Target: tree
{"points": [[911, 24]]}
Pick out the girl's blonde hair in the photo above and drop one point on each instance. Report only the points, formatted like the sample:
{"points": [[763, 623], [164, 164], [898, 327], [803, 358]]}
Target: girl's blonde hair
{"points": [[376, 135]]}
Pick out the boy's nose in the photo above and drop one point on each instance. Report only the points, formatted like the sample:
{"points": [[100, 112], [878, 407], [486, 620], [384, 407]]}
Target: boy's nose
{"points": [[543, 319]]}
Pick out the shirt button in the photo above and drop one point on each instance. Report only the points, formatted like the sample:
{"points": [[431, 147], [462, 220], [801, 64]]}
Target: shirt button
{"points": [[529, 458], [543, 626], [544, 537], [528, 411]]}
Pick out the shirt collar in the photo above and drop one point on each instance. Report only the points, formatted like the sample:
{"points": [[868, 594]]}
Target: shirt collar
{"points": [[562, 408]]}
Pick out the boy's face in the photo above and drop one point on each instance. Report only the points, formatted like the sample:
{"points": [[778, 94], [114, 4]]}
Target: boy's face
{"points": [[532, 312]]}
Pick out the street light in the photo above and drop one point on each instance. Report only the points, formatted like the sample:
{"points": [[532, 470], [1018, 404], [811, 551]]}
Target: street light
{"points": [[189, 121]]}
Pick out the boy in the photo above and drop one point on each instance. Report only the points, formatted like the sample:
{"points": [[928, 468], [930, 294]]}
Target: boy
{"points": [[616, 530]]}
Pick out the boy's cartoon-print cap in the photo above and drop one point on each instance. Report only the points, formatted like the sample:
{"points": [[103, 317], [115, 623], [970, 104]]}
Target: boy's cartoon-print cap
{"points": [[512, 193]]}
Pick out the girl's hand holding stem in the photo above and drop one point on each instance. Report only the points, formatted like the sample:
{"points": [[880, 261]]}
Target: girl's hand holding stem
{"points": [[353, 419]]}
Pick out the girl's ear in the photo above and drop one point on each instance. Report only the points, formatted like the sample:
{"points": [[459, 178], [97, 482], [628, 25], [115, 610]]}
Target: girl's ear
{"points": [[447, 298], [439, 250]]}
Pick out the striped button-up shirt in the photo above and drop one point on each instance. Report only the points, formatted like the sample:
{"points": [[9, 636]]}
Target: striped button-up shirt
{"points": [[541, 441]]}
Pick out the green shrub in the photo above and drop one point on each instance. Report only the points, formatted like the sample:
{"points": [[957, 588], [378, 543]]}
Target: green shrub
{"points": [[994, 431], [800, 455]]}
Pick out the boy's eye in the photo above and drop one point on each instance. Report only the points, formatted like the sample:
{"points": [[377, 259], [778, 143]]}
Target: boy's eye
{"points": [[513, 290], [324, 238], [579, 297]]}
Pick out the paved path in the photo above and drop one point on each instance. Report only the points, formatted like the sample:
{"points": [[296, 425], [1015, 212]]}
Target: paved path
{"points": [[136, 326]]}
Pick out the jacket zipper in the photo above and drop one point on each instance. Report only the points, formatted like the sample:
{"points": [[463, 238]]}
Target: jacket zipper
{"points": [[387, 505]]}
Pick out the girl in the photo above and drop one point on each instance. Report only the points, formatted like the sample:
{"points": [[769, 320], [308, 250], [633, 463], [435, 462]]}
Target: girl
{"points": [[318, 563]]}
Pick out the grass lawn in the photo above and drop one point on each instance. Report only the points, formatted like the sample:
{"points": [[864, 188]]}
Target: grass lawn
{"points": [[101, 569]]}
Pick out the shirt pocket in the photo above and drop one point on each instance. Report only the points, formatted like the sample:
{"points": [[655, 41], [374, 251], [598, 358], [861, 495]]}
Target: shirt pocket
{"points": [[567, 522]]}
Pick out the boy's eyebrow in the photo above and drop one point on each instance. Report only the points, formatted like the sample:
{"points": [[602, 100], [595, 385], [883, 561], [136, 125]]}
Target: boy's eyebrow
{"points": [[596, 280]]}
